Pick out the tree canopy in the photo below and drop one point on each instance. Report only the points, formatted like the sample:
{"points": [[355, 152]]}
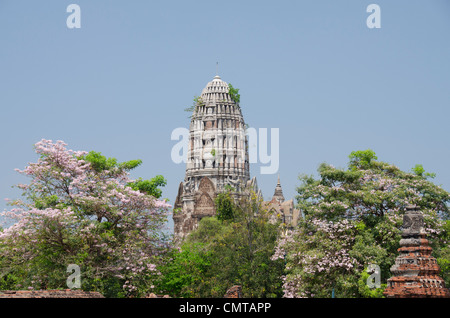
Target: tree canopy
{"points": [[234, 249], [352, 218], [82, 208]]}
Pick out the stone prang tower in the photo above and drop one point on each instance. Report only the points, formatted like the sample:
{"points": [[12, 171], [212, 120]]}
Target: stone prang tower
{"points": [[217, 156]]}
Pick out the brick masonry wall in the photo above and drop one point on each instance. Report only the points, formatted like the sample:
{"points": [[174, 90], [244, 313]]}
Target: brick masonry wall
{"points": [[56, 293], [234, 292]]}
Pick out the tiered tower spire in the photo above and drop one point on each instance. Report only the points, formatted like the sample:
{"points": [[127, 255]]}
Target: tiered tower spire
{"points": [[217, 156], [278, 194]]}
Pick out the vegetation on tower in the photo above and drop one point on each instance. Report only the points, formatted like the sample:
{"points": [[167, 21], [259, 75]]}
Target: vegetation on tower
{"points": [[234, 94]]}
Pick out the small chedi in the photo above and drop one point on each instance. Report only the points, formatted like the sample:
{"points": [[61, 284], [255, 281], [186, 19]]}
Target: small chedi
{"points": [[234, 292], [415, 272]]}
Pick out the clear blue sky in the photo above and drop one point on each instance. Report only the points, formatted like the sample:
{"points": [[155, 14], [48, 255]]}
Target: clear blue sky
{"points": [[313, 69]]}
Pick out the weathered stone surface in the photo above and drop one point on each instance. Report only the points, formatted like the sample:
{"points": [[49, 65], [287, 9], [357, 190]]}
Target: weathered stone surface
{"points": [[282, 210], [415, 272], [217, 159], [217, 156], [52, 293]]}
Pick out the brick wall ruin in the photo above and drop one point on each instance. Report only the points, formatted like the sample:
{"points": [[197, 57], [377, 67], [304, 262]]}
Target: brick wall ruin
{"points": [[415, 272]]}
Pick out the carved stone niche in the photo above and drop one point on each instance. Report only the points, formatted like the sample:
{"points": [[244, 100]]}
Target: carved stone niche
{"points": [[412, 222], [178, 203], [204, 198]]}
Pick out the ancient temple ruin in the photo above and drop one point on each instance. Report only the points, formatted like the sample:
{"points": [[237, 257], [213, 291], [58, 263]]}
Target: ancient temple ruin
{"points": [[281, 209], [217, 158], [415, 272]]}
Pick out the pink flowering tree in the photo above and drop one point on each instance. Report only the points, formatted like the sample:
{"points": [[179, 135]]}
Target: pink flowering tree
{"points": [[82, 208], [352, 218]]}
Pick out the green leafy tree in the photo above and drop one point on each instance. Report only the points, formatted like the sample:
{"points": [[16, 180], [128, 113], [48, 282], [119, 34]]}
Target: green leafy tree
{"points": [[362, 158], [100, 163], [366, 291], [182, 270], [226, 252], [352, 217], [420, 171], [225, 206], [197, 102], [82, 208], [151, 187], [234, 93]]}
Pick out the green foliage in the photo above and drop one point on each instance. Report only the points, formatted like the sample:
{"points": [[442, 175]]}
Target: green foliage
{"points": [[225, 207], [130, 165], [111, 287], [149, 186], [84, 214], [229, 188], [444, 265], [44, 202], [177, 211], [443, 255], [197, 102], [234, 94], [10, 281], [366, 291], [371, 196], [362, 158], [183, 270], [227, 252], [101, 163], [420, 171], [210, 228]]}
